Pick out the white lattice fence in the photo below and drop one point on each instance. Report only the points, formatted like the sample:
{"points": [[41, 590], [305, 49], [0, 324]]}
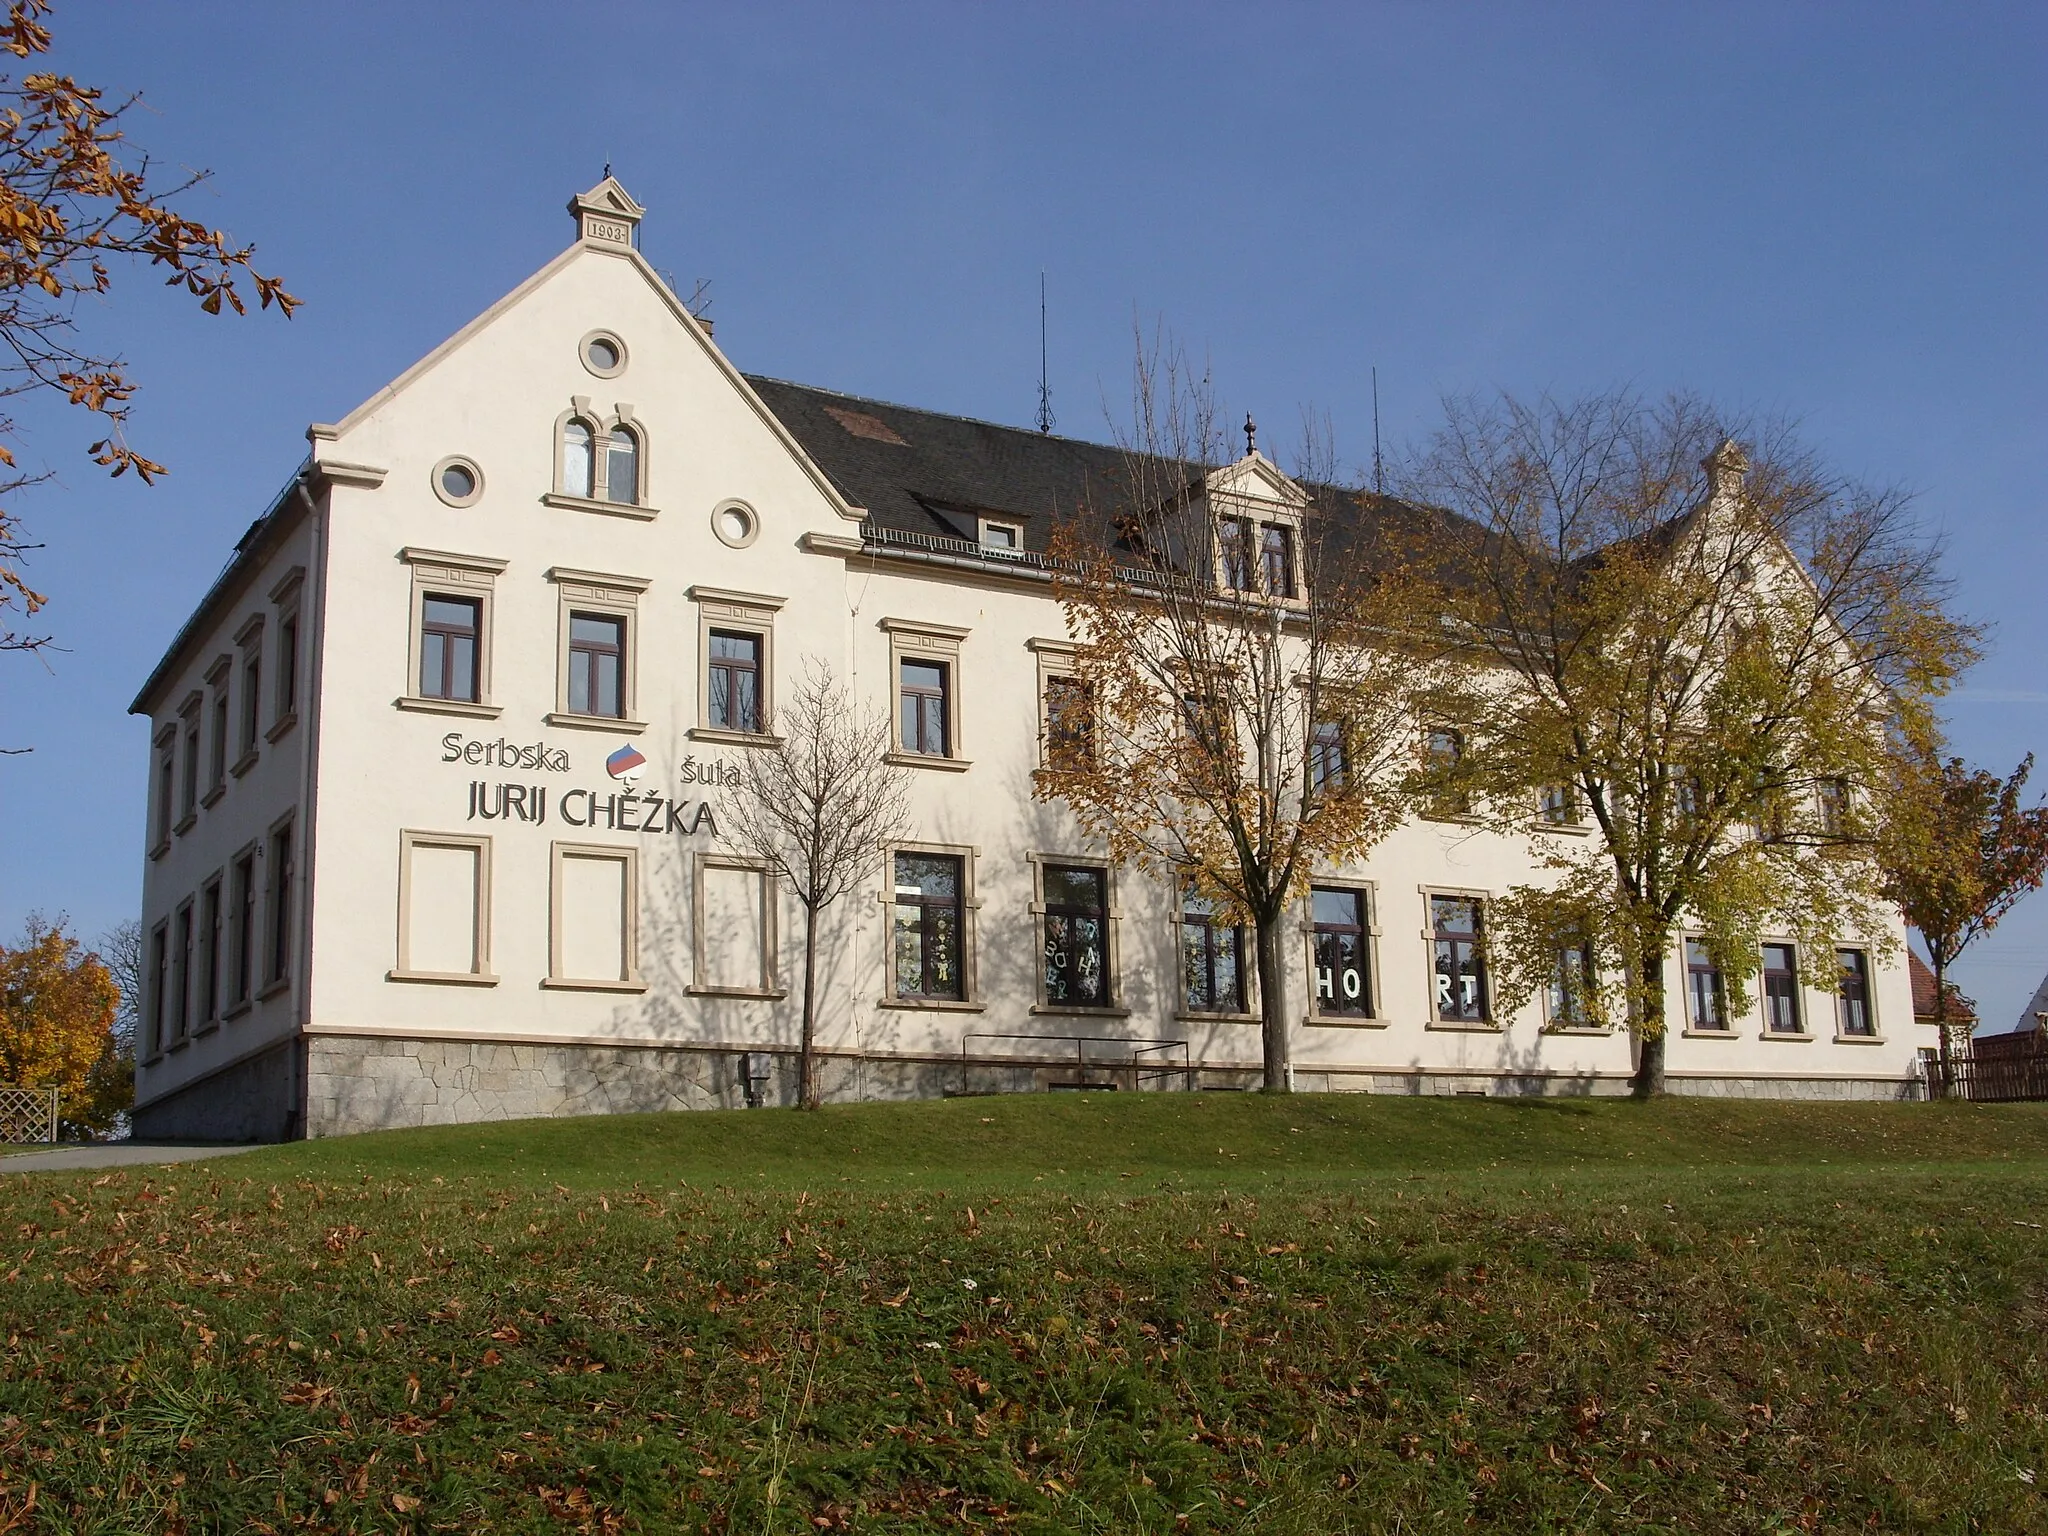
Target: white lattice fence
{"points": [[28, 1114]]}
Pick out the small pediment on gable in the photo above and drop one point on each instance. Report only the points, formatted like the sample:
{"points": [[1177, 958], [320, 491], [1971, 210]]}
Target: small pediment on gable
{"points": [[606, 213]]}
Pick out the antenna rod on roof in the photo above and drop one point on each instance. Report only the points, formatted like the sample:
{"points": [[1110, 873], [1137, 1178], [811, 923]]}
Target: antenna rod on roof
{"points": [[1044, 388], [1379, 473]]}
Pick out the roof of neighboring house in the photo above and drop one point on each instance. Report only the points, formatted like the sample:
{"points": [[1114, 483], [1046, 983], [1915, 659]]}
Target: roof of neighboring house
{"points": [[1924, 1011]]}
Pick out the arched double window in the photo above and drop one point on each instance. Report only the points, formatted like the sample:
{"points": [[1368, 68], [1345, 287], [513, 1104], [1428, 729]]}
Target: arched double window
{"points": [[600, 465]]}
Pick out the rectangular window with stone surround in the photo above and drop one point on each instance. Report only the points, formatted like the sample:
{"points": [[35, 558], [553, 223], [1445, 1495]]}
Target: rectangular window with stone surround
{"points": [[444, 908], [594, 914]]}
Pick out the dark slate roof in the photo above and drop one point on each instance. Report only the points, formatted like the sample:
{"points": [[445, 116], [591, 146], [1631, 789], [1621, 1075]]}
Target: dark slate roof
{"points": [[924, 472]]}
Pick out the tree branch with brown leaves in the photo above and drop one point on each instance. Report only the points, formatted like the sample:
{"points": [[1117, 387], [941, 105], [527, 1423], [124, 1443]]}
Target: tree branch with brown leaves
{"points": [[70, 208]]}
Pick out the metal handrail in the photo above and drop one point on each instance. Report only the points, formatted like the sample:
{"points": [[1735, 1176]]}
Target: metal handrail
{"points": [[1136, 1047]]}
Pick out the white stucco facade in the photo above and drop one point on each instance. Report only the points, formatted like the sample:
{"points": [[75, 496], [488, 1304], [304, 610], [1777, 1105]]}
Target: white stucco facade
{"points": [[378, 909]]}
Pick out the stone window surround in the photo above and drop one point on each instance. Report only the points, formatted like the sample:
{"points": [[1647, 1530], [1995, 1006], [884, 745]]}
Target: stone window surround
{"points": [[1491, 1024], [1799, 998], [749, 613], [190, 738], [970, 958], [623, 853], [285, 688], [476, 477], [611, 596], [1876, 1035], [1247, 966], [437, 572], [771, 987], [1580, 823], [219, 679], [600, 462], [982, 525], [482, 976], [184, 921], [619, 346], [910, 640], [1440, 811], [249, 648], [1376, 1017], [1112, 915], [163, 808], [1056, 658]]}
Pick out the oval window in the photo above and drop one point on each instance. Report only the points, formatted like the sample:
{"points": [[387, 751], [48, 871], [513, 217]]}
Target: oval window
{"points": [[735, 526], [458, 482]]}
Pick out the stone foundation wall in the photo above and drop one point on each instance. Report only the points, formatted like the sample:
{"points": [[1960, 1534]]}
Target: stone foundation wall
{"points": [[253, 1100], [355, 1084]]}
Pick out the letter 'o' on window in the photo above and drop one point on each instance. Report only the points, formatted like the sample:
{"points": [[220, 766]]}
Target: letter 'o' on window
{"points": [[576, 458]]}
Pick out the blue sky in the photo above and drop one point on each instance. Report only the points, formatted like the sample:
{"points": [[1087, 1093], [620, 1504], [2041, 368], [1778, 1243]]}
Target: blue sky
{"points": [[1832, 211]]}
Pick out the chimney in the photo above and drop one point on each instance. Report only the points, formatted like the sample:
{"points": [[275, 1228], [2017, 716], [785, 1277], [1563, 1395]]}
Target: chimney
{"points": [[606, 214]]}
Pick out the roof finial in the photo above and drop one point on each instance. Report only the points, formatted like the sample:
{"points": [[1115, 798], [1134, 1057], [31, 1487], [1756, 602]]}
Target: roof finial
{"points": [[1251, 435], [607, 170]]}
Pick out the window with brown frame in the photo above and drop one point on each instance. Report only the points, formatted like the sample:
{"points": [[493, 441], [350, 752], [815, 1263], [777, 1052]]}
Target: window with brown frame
{"points": [[1570, 988], [733, 701], [1329, 762], [209, 953], [188, 802], [1276, 553], [159, 976], [181, 973], [597, 660], [242, 935], [1234, 551], [279, 946], [926, 923], [218, 763], [1069, 721], [252, 697], [1211, 957], [922, 700], [1781, 990], [1341, 943], [1458, 930], [1076, 936], [166, 785], [1706, 997], [1852, 992], [288, 666], [450, 628]]}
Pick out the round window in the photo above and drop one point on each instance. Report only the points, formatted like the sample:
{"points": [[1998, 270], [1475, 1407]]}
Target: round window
{"points": [[458, 481], [604, 354], [735, 525]]}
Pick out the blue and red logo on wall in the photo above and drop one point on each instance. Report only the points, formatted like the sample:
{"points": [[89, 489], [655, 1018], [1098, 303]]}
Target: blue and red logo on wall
{"points": [[626, 763]]}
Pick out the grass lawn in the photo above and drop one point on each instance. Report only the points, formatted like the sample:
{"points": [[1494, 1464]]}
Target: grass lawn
{"points": [[1053, 1313]]}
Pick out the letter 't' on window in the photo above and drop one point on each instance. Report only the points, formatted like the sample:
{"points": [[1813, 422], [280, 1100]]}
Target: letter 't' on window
{"points": [[926, 926], [597, 656], [734, 696], [923, 696], [577, 462], [448, 648], [1076, 938], [1457, 924], [1342, 980]]}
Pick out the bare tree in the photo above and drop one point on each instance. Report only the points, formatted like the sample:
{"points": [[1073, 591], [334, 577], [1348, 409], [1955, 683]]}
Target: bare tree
{"points": [[120, 951], [817, 809], [1242, 706], [1708, 657]]}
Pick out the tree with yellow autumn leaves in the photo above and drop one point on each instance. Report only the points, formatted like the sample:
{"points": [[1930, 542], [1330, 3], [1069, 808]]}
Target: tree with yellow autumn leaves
{"points": [[58, 1003]]}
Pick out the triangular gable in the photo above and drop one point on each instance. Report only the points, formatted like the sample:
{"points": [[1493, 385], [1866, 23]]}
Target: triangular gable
{"points": [[689, 323]]}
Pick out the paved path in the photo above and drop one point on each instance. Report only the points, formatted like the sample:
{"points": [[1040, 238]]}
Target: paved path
{"points": [[112, 1154]]}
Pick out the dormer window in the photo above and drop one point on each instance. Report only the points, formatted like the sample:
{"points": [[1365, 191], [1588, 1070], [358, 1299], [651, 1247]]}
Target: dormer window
{"points": [[577, 458], [1001, 538]]}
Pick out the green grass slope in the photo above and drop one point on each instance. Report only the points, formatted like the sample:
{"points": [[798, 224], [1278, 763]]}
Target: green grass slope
{"points": [[1049, 1314]]}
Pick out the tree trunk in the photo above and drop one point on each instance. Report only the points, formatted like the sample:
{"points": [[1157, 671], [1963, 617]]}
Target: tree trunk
{"points": [[1650, 1030], [1273, 1006], [807, 1081], [1948, 1067]]}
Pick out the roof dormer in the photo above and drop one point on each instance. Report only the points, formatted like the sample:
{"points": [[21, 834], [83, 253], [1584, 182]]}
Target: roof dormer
{"points": [[1255, 515]]}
